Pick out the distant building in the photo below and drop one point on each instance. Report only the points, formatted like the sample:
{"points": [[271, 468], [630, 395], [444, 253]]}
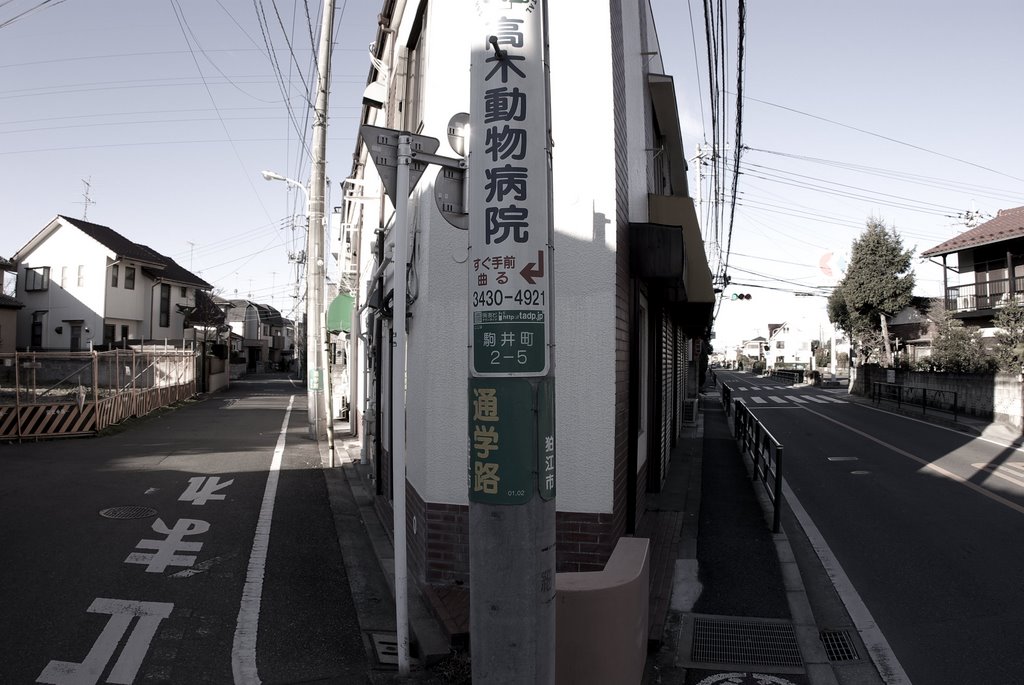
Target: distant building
{"points": [[85, 285], [989, 269]]}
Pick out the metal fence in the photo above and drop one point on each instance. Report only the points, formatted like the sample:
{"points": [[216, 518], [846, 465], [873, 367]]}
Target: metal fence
{"points": [[793, 376], [54, 394], [912, 396], [766, 453]]}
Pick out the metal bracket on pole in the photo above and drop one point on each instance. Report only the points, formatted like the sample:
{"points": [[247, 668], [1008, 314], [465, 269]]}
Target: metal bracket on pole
{"points": [[451, 162]]}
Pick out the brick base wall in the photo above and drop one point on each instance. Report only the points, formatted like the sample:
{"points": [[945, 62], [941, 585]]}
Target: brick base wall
{"points": [[439, 548]]}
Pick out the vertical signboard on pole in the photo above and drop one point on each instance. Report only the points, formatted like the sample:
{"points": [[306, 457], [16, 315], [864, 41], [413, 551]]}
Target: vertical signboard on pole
{"points": [[509, 223], [510, 232]]}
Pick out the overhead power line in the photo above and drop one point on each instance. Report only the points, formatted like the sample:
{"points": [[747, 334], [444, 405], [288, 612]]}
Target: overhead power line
{"points": [[884, 137]]}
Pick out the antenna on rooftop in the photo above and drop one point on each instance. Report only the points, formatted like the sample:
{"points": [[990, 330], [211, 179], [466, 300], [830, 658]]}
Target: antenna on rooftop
{"points": [[86, 201]]}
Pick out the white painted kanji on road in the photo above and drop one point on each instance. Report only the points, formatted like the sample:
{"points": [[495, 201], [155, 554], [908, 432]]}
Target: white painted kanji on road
{"points": [[165, 552], [202, 489], [122, 613]]}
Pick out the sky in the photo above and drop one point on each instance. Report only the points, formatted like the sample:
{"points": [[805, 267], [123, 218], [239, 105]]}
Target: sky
{"points": [[169, 110], [904, 111]]}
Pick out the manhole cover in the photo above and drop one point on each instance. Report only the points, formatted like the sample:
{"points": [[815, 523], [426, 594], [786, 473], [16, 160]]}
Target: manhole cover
{"points": [[127, 512]]}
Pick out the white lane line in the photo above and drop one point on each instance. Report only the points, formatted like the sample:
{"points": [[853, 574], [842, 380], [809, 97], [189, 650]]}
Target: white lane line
{"points": [[929, 465], [874, 640], [243, 648]]}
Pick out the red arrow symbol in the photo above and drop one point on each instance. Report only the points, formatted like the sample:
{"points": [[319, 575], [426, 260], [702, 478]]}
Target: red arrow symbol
{"points": [[529, 273]]}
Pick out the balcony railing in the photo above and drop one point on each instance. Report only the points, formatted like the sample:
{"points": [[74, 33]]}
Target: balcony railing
{"points": [[989, 295]]}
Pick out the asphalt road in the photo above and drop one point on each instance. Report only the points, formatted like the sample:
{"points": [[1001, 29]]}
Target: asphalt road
{"points": [[927, 523], [177, 595]]}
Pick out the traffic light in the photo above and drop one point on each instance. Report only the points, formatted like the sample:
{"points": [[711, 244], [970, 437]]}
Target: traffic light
{"points": [[741, 296]]}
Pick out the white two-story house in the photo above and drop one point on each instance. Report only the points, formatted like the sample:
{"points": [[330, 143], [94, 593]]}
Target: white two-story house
{"points": [[85, 285]]}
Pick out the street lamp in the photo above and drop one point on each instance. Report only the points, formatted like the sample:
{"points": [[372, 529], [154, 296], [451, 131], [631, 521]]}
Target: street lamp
{"points": [[315, 325]]}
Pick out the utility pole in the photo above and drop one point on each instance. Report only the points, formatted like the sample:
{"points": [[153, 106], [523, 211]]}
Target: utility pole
{"points": [[315, 325], [511, 398]]}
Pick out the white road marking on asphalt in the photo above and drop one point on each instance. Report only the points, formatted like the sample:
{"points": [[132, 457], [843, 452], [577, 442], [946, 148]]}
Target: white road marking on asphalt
{"points": [[201, 489], [243, 648], [776, 399], [758, 400], [122, 612], [164, 552], [1012, 471], [929, 465], [874, 640], [799, 400]]}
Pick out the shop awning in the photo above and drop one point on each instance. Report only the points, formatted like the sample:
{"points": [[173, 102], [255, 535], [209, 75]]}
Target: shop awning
{"points": [[339, 314], [694, 297]]}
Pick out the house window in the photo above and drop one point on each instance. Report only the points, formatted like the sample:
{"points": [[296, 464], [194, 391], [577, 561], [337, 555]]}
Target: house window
{"points": [[113, 277], [780, 344], [37, 329], [81, 275], [416, 70], [129, 278], [124, 332], [184, 291], [165, 305], [108, 331], [37, 278], [63, 277]]}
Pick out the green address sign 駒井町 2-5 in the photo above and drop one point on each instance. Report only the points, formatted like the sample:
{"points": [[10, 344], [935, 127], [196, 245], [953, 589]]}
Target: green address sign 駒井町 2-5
{"points": [[510, 342]]}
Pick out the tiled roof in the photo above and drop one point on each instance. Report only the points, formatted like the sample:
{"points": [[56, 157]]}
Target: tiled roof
{"points": [[8, 302], [164, 267], [1008, 224]]}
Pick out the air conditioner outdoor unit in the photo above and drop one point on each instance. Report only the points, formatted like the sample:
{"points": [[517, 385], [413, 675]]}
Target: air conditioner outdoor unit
{"points": [[690, 412]]}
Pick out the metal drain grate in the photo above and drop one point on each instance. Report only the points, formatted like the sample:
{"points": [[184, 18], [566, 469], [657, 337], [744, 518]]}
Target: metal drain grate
{"points": [[127, 512], [838, 646], [744, 642]]}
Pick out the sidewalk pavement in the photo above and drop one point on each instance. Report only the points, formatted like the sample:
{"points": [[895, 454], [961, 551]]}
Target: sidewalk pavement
{"points": [[726, 594]]}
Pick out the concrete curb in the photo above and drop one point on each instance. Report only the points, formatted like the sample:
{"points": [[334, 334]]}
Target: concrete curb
{"points": [[429, 642]]}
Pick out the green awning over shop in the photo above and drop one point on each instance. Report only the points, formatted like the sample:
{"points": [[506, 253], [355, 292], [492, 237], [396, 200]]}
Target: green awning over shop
{"points": [[339, 314]]}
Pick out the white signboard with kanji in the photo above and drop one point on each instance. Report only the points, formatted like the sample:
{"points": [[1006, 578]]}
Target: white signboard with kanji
{"points": [[509, 210]]}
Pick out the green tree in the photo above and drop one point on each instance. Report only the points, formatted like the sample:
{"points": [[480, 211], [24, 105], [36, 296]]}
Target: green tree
{"points": [[879, 283], [957, 348], [1010, 336]]}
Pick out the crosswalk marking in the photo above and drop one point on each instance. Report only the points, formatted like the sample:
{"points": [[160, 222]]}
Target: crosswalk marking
{"points": [[812, 398], [799, 400], [776, 399], [758, 400]]}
